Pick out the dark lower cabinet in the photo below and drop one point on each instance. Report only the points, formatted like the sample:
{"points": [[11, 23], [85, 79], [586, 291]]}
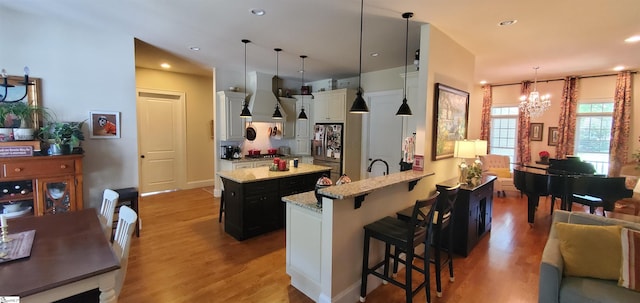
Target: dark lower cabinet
{"points": [[472, 214], [256, 208]]}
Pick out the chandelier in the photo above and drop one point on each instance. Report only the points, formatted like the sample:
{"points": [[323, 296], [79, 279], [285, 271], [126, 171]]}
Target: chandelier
{"points": [[535, 105]]}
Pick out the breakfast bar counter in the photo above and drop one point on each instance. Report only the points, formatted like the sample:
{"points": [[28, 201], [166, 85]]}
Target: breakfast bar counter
{"points": [[324, 244]]}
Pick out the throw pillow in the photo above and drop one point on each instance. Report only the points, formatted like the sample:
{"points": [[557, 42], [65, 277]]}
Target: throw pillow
{"points": [[630, 272], [500, 172], [590, 250]]}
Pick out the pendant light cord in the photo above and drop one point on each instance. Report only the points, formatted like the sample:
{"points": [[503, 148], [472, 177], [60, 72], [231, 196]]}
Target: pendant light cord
{"points": [[406, 57], [361, 28]]}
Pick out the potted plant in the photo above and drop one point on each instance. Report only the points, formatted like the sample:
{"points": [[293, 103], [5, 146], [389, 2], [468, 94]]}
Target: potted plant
{"points": [[21, 118], [62, 137]]}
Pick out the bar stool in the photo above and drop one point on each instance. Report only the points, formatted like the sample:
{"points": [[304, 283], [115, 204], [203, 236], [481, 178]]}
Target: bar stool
{"points": [[405, 237], [129, 197], [442, 232]]}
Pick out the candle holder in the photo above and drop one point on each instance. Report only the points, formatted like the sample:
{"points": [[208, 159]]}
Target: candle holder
{"points": [[5, 235]]}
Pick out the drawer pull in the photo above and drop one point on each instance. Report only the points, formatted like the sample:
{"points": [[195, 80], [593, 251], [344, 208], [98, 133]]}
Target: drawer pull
{"points": [[18, 169], [63, 166]]}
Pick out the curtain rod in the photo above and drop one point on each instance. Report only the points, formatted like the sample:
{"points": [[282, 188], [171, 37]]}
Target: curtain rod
{"points": [[560, 79]]}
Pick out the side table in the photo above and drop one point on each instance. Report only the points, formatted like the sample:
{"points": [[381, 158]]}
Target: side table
{"points": [[129, 197]]}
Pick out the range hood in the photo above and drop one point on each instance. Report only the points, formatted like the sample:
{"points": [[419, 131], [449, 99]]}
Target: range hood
{"points": [[262, 102]]}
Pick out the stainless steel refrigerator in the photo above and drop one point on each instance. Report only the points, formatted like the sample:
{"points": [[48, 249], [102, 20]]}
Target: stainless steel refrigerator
{"points": [[327, 147]]}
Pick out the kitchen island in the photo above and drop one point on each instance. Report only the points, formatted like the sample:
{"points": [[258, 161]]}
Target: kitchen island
{"points": [[324, 244], [252, 196]]}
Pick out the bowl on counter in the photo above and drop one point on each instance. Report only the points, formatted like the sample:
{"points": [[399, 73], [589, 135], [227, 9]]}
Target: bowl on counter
{"points": [[272, 151], [254, 152]]}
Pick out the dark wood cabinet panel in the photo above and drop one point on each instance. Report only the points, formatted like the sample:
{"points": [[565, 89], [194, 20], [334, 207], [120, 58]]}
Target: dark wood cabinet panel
{"points": [[255, 208], [472, 214]]}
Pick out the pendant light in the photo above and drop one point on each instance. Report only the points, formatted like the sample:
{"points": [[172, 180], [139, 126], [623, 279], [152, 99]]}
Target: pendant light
{"points": [[277, 115], [302, 115], [359, 106], [404, 109], [245, 109]]}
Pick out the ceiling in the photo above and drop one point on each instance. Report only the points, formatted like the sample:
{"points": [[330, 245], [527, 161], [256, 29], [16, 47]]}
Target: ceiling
{"points": [[562, 37]]}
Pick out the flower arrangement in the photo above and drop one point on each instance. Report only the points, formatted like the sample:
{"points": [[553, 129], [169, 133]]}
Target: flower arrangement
{"points": [[544, 154]]}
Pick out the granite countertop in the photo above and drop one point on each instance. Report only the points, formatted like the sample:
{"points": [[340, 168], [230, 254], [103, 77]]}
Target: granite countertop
{"points": [[353, 189], [307, 200], [248, 159], [366, 186], [246, 175]]}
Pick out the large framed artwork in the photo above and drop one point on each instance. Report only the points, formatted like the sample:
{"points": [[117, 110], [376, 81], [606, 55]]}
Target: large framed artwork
{"points": [[450, 120]]}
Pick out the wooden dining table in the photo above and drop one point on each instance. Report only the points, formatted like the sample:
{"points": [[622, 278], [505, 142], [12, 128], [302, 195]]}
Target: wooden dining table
{"points": [[69, 255]]}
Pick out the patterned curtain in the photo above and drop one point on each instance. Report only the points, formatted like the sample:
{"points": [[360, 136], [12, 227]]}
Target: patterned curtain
{"points": [[620, 128], [567, 121], [485, 124], [523, 151]]}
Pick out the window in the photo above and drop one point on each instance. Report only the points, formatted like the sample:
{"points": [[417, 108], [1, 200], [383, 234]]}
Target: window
{"points": [[593, 133], [503, 131]]}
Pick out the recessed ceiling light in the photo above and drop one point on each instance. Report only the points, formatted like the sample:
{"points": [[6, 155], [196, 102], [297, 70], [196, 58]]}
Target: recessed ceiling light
{"points": [[194, 48], [258, 11], [508, 22], [165, 65], [618, 68], [483, 82], [632, 39], [374, 54]]}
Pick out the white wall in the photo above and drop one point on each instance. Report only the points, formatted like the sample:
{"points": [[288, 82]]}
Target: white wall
{"points": [[82, 69]]}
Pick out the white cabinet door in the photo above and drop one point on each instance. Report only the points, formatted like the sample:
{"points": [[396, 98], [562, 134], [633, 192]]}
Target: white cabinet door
{"points": [[242, 165], [337, 105], [303, 129], [303, 146], [262, 163], [330, 106], [320, 107], [229, 108]]}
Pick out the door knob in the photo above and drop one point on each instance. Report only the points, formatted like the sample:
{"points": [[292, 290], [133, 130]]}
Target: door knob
{"points": [[142, 156]]}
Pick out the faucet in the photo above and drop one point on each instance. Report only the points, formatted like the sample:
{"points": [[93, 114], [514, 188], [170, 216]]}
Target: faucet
{"points": [[381, 160]]}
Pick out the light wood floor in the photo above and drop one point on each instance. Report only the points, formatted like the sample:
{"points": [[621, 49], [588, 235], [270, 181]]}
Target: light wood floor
{"points": [[184, 255]]}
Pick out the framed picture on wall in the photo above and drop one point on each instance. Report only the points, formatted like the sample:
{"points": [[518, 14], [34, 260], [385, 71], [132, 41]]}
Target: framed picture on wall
{"points": [[450, 119], [536, 131], [104, 125], [553, 136]]}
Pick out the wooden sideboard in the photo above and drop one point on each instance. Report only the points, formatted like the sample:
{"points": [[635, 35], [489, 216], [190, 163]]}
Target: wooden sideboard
{"points": [[46, 184], [472, 213]]}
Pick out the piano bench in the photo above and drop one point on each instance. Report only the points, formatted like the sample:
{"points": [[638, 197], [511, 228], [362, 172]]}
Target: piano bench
{"points": [[590, 201]]}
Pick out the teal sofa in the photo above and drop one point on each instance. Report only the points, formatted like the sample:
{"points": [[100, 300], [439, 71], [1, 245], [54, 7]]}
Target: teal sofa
{"points": [[554, 287]]}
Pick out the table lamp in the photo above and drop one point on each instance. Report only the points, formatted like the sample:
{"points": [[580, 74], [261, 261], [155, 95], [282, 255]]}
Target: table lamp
{"points": [[464, 150]]}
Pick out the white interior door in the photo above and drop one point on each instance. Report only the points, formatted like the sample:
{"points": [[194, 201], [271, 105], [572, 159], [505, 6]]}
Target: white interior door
{"points": [[385, 131], [160, 140]]}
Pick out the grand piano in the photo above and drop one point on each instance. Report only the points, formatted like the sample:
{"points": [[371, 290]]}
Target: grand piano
{"points": [[571, 180]]}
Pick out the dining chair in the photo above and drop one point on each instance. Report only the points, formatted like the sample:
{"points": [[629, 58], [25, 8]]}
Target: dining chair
{"points": [[122, 242], [404, 237], [108, 207]]}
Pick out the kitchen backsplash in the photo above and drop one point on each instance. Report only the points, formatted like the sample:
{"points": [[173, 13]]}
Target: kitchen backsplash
{"points": [[264, 139]]}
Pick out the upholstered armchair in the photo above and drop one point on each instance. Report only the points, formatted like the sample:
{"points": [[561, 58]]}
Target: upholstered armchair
{"points": [[500, 166]]}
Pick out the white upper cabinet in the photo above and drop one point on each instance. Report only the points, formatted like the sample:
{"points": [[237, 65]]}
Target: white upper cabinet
{"points": [[228, 111], [331, 106]]}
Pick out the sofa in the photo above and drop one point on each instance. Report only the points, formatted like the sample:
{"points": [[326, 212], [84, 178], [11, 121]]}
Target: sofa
{"points": [[499, 166], [556, 286]]}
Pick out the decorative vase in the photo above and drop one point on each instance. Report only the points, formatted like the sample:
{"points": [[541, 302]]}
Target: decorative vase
{"points": [[544, 159]]}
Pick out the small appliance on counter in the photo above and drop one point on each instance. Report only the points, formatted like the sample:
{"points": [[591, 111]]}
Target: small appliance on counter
{"points": [[230, 152]]}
